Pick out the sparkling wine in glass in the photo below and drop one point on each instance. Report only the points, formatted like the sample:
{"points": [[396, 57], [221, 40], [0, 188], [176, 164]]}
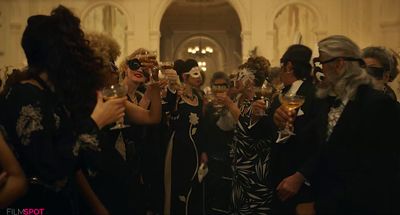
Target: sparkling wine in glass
{"points": [[218, 90], [164, 67], [291, 102], [208, 94], [174, 83], [264, 93], [149, 61], [112, 92]]}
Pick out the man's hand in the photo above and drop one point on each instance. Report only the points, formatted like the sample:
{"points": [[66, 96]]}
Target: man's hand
{"points": [[3, 179], [290, 186], [259, 107], [282, 116]]}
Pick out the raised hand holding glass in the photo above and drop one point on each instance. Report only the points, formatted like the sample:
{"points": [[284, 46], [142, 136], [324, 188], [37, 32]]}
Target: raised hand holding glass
{"points": [[291, 102], [112, 92]]}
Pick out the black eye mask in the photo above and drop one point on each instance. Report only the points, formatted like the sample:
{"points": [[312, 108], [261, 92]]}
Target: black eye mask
{"points": [[134, 64], [376, 72]]}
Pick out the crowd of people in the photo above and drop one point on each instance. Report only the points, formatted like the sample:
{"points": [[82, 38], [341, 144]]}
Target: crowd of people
{"points": [[313, 136]]}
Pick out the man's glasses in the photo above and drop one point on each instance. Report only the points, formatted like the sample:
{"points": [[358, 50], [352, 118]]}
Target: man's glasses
{"points": [[221, 85], [359, 60]]}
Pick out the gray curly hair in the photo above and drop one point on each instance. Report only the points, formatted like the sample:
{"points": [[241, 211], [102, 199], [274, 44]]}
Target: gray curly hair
{"points": [[104, 46], [385, 57], [353, 74]]}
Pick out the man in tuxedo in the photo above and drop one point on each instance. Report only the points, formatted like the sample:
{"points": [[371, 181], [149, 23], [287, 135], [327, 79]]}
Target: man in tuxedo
{"points": [[357, 169], [292, 156]]}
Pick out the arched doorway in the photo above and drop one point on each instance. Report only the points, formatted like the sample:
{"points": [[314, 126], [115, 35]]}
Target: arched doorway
{"points": [[187, 24], [293, 23], [107, 18]]}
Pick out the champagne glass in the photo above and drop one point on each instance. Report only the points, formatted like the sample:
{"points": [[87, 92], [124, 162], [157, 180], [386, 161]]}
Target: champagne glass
{"points": [[164, 66], [167, 72], [218, 90], [174, 83], [149, 61], [112, 92], [291, 102], [264, 93], [208, 94]]}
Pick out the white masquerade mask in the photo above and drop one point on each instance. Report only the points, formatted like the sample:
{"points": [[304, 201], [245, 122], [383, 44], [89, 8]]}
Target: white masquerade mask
{"points": [[245, 76], [194, 72]]}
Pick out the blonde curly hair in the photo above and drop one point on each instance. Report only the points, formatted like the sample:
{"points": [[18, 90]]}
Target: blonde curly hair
{"points": [[104, 46], [123, 65]]}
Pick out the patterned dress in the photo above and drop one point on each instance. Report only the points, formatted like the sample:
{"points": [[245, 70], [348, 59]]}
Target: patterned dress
{"points": [[251, 194], [40, 131], [183, 193]]}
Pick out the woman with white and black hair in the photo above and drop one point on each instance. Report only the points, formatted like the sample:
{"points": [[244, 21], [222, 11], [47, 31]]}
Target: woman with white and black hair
{"points": [[250, 156]]}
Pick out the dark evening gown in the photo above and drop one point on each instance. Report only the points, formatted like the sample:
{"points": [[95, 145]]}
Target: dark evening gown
{"points": [[182, 160], [39, 129], [114, 171], [251, 193], [219, 178]]}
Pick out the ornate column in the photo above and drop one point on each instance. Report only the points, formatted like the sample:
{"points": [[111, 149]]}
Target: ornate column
{"points": [[129, 43], [13, 47], [246, 44], [155, 41], [2, 35], [271, 53]]}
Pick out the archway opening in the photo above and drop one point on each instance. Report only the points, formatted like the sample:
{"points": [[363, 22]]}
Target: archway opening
{"points": [[294, 24], [190, 23], [107, 19]]}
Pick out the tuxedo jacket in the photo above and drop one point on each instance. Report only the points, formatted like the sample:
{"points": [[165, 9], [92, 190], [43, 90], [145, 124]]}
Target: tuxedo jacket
{"points": [[357, 168], [298, 153]]}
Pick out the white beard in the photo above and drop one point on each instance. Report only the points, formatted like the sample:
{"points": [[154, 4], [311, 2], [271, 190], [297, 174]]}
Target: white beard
{"points": [[326, 87], [323, 92]]}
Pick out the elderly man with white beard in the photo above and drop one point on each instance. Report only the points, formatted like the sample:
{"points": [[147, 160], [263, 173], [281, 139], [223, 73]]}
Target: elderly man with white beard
{"points": [[357, 170]]}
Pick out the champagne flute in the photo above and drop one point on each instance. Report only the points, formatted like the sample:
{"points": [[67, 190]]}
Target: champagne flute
{"points": [[291, 102], [112, 92]]}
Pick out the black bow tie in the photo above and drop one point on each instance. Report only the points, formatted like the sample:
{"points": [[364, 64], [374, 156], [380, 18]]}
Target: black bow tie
{"points": [[334, 102]]}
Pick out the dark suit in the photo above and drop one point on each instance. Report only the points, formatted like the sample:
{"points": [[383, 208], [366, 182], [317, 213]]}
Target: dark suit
{"points": [[297, 153], [358, 167]]}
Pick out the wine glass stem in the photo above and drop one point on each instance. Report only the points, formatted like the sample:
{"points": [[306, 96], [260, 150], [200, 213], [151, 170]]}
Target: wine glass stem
{"points": [[287, 128], [287, 124], [120, 122]]}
